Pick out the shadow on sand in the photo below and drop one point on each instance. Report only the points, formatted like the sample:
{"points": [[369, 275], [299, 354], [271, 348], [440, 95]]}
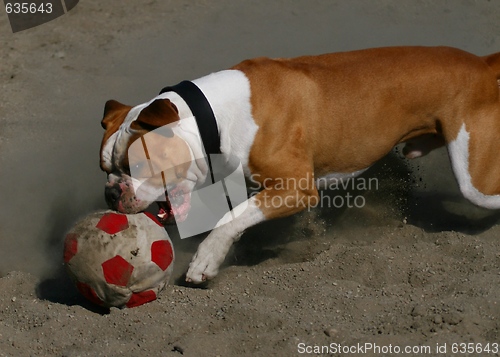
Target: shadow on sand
{"points": [[395, 198]]}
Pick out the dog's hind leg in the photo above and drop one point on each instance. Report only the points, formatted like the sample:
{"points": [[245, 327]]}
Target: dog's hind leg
{"points": [[474, 155]]}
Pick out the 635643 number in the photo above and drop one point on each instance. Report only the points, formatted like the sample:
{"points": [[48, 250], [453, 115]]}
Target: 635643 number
{"points": [[28, 8]]}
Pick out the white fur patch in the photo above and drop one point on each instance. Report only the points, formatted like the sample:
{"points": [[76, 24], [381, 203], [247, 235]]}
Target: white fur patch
{"points": [[107, 151], [228, 93], [458, 150]]}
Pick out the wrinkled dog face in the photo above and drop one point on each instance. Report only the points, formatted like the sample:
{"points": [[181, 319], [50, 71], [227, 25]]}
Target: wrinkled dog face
{"points": [[144, 159]]}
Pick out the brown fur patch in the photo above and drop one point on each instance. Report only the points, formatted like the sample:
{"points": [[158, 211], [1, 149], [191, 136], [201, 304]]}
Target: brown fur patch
{"points": [[160, 112], [114, 115], [342, 112]]}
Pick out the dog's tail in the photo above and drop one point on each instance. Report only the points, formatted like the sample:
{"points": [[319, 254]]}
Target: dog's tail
{"points": [[493, 61]]}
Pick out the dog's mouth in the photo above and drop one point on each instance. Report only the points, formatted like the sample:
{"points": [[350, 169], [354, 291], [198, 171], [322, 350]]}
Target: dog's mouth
{"points": [[176, 206]]}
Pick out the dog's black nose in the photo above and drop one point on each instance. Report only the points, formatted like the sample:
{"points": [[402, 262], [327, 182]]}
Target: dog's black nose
{"points": [[112, 195]]}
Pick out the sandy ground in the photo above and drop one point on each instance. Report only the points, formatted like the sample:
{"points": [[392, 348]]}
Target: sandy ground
{"points": [[417, 266]]}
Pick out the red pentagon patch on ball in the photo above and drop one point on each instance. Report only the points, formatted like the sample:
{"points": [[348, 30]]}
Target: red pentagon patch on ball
{"points": [[140, 298], [162, 253], [70, 246], [113, 223], [89, 293], [117, 271]]}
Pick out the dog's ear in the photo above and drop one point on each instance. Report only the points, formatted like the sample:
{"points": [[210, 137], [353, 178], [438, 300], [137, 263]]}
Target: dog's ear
{"points": [[158, 113], [114, 114]]}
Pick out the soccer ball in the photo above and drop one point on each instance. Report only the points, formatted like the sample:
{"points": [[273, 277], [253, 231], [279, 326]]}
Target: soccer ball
{"points": [[119, 260]]}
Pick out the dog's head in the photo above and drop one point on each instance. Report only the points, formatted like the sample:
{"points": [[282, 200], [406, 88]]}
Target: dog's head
{"points": [[148, 159]]}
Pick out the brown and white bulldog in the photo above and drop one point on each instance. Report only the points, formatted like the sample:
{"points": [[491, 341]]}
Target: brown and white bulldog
{"points": [[307, 118]]}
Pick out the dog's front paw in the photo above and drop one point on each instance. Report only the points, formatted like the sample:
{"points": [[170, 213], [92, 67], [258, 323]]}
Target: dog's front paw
{"points": [[207, 260]]}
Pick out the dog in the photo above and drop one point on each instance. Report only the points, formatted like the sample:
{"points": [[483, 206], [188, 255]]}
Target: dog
{"points": [[309, 118]]}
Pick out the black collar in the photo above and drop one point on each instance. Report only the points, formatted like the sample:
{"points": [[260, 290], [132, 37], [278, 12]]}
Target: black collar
{"points": [[203, 113]]}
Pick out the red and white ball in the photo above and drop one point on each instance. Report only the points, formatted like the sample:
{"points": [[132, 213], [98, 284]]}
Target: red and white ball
{"points": [[119, 260]]}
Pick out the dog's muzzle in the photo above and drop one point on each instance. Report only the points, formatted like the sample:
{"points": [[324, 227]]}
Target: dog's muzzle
{"points": [[112, 195]]}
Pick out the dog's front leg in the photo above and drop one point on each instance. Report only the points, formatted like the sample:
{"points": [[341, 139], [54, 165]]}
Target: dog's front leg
{"points": [[212, 251], [267, 204]]}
